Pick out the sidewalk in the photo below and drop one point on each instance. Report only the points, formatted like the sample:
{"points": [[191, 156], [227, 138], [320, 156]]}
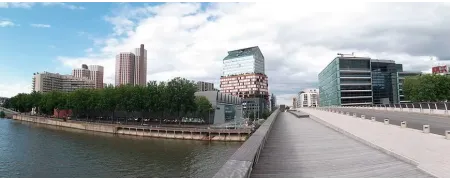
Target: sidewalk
{"points": [[429, 151]]}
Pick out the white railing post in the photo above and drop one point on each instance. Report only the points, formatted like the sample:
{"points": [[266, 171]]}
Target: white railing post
{"points": [[429, 108], [420, 104], [435, 105], [446, 110], [412, 108]]}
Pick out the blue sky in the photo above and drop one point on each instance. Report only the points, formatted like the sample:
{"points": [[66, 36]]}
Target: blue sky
{"points": [[26, 49]]}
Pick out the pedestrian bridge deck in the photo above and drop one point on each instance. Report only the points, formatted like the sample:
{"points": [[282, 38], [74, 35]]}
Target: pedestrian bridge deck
{"points": [[301, 147]]}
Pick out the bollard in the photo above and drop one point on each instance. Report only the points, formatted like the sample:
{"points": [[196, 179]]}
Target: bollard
{"points": [[354, 114], [426, 129], [403, 124], [386, 121], [363, 116], [347, 113], [447, 134], [373, 119]]}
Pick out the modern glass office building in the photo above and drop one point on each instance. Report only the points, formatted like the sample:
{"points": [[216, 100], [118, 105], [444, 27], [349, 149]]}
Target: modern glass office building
{"points": [[356, 81]]}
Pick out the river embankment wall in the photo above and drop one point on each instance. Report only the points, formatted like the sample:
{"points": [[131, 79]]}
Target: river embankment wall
{"points": [[146, 131]]}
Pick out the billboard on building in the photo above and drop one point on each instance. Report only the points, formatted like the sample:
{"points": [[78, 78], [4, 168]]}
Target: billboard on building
{"points": [[439, 69]]}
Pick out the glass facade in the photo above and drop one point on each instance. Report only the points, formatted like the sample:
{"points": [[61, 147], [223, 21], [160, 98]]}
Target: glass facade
{"points": [[354, 81], [230, 112], [383, 81], [241, 65], [329, 85], [242, 61]]}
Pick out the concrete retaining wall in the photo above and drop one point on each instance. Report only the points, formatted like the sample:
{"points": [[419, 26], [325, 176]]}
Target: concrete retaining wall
{"points": [[241, 163], [75, 125], [179, 133]]}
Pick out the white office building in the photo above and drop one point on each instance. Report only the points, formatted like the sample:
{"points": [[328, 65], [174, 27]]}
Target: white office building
{"points": [[308, 98]]}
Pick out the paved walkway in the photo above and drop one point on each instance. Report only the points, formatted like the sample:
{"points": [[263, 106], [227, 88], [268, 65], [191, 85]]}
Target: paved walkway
{"points": [[301, 147], [429, 151]]}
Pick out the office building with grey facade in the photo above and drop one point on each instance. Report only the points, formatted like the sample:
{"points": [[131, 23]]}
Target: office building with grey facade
{"points": [[225, 107], [358, 81], [205, 86]]}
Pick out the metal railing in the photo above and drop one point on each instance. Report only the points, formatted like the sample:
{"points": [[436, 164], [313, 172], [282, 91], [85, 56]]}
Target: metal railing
{"points": [[427, 108]]}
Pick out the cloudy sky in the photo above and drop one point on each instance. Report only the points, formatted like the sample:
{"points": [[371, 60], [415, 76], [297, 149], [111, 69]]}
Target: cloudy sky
{"points": [[191, 39]]}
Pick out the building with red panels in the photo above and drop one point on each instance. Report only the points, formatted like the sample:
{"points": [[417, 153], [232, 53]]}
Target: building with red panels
{"points": [[440, 69], [245, 85], [244, 76]]}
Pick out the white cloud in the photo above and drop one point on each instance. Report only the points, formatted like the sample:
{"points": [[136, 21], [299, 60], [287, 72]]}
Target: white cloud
{"points": [[10, 90], [298, 41], [6, 23], [28, 5], [25, 5], [64, 5], [40, 25]]}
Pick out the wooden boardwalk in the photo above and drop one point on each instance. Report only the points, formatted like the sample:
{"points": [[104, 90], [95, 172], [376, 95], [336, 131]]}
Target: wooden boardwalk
{"points": [[301, 147]]}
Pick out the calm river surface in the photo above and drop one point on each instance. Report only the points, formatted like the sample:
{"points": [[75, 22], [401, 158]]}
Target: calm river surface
{"points": [[32, 150]]}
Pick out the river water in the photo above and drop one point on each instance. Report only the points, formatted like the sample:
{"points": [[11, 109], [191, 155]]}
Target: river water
{"points": [[33, 150]]}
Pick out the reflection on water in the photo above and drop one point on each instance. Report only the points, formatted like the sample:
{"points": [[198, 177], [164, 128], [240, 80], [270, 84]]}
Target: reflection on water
{"points": [[36, 150]]}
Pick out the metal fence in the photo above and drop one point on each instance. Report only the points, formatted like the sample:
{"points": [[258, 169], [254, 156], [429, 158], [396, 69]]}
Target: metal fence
{"points": [[430, 105]]}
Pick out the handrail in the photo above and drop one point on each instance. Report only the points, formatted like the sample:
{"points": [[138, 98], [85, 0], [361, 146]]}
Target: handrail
{"points": [[241, 163]]}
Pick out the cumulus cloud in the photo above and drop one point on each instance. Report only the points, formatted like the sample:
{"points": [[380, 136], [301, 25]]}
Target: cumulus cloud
{"points": [[298, 41], [25, 5], [6, 23], [40, 25], [64, 5], [28, 5], [12, 89]]}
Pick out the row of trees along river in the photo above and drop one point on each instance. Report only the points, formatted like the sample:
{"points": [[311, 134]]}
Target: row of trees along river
{"points": [[427, 88], [173, 99]]}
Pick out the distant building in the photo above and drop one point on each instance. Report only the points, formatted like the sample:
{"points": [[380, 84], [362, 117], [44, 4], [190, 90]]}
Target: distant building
{"points": [[225, 108], [441, 70], [131, 67], [96, 75], [273, 102], [308, 98], [46, 82], [93, 72], [205, 86], [244, 76], [294, 102], [125, 68], [356, 81], [140, 66], [82, 72]]}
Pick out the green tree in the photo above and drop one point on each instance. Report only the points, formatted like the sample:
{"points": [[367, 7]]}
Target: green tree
{"points": [[2, 114]]}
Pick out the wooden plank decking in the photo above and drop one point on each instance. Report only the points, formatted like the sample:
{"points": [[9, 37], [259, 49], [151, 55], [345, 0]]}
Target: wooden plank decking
{"points": [[301, 147]]}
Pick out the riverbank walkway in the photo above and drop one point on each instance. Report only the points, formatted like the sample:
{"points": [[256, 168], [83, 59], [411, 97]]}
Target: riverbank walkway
{"points": [[301, 147]]}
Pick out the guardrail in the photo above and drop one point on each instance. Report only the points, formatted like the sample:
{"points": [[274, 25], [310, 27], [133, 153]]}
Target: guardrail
{"points": [[441, 108], [241, 163]]}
